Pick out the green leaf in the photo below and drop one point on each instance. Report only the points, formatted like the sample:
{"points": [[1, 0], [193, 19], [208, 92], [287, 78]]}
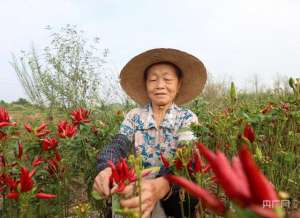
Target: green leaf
{"points": [[116, 202], [239, 212], [258, 153], [245, 116], [183, 129], [96, 195]]}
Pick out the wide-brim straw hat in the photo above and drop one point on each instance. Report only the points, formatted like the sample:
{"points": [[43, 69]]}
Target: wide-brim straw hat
{"points": [[193, 74]]}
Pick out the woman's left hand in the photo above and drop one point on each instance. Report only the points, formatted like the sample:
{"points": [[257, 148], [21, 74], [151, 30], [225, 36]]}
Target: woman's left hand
{"points": [[152, 190]]}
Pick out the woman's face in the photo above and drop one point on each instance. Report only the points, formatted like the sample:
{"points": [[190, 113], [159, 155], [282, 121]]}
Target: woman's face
{"points": [[162, 84]]}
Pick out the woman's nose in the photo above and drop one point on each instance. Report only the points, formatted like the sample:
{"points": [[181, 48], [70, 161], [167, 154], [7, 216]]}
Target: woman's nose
{"points": [[160, 83]]}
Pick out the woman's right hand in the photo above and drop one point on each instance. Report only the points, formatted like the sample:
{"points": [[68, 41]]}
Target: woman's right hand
{"points": [[101, 182]]}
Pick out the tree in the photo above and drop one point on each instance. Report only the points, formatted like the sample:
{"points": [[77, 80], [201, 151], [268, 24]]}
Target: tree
{"points": [[66, 73], [21, 101]]}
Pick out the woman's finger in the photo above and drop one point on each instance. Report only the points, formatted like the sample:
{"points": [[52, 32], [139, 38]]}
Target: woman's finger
{"points": [[128, 190], [148, 212], [96, 187], [105, 188], [134, 202], [101, 183], [147, 185], [99, 189], [113, 189], [130, 203], [144, 206]]}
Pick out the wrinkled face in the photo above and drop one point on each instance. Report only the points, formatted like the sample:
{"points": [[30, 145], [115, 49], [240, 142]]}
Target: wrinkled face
{"points": [[162, 84]]}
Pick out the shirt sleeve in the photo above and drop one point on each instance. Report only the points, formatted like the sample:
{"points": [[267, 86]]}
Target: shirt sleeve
{"points": [[114, 151], [120, 145], [127, 126], [184, 132]]}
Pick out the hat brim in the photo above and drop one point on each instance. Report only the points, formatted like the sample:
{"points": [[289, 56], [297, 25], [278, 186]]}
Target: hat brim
{"points": [[193, 70]]}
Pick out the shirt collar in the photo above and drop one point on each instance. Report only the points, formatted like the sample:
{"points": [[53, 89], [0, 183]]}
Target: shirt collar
{"points": [[167, 122]]}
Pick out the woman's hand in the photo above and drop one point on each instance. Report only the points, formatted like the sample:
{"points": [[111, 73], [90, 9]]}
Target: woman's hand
{"points": [[152, 190], [101, 182]]}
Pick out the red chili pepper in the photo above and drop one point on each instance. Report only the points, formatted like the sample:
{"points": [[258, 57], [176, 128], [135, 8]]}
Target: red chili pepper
{"points": [[115, 176], [267, 109], [178, 164], [26, 181], [80, 115], [239, 171], [209, 155], [226, 175], [41, 127], [64, 129], [122, 174], [249, 133], [207, 198], [12, 183], [28, 127], [57, 155], [45, 196], [53, 167], [3, 124], [13, 195], [242, 181], [229, 180], [260, 187], [37, 161], [198, 165], [206, 168], [42, 134], [5, 119], [49, 143], [20, 150]]}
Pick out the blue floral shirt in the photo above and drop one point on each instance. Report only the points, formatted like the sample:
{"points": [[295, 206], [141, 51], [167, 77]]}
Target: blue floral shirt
{"points": [[150, 140]]}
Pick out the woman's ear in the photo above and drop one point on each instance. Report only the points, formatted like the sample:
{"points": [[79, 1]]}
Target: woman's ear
{"points": [[179, 85]]}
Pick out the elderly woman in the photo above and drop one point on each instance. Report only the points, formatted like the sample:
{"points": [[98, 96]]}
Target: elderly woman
{"points": [[158, 80]]}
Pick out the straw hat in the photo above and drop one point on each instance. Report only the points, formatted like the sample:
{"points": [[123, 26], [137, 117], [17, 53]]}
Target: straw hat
{"points": [[193, 74]]}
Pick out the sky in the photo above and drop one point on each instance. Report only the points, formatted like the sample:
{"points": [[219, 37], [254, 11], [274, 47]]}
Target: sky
{"points": [[236, 40]]}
